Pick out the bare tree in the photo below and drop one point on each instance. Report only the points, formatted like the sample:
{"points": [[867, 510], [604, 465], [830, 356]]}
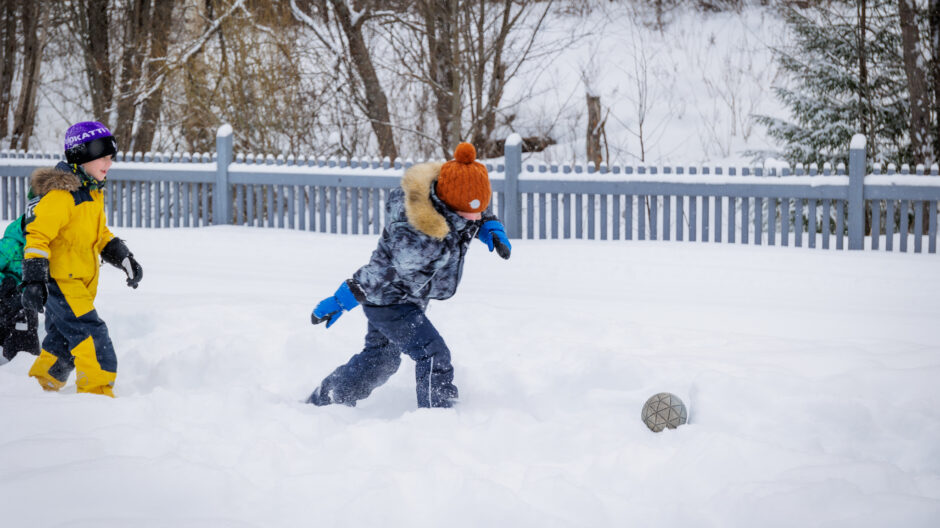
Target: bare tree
{"points": [[137, 24], [443, 68], [345, 26], [89, 22], [197, 90], [8, 60], [152, 100], [242, 65], [916, 82], [466, 53], [643, 90], [494, 62], [861, 38], [34, 22], [933, 17]]}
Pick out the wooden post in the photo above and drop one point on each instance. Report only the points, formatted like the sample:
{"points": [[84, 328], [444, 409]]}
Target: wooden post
{"points": [[595, 128], [857, 170], [222, 194], [513, 154]]}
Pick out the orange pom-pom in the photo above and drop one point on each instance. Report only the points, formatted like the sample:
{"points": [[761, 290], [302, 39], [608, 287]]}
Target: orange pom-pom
{"points": [[465, 153]]}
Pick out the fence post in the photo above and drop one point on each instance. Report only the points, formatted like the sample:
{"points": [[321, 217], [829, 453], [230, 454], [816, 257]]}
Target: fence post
{"points": [[513, 155], [857, 170], [222, 194]]}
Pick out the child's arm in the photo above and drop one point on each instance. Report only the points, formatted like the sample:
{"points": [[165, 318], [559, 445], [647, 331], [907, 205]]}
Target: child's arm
{"points": [[10, 252], [493, 235], [52, 213]]}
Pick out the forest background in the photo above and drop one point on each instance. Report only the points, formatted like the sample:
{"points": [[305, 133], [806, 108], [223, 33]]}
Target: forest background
{"points": [[616, 81]]}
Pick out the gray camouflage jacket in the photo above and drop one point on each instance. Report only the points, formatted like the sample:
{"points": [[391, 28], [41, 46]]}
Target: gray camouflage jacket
{"points": [[420, 255]]}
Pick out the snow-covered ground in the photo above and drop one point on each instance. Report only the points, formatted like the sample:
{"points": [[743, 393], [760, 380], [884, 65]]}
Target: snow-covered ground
{"points": [[811, 377]]}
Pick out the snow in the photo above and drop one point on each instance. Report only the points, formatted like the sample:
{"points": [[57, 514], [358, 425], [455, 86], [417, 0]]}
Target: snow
{"points": [[811, 377], [858, 142]]}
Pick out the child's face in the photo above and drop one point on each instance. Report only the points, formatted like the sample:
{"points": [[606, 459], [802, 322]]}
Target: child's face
{"points": [[98, 168], [470, 216]]}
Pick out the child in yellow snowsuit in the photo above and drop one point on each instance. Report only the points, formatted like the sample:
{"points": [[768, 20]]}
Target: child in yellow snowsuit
{"points": [[65, 234]]}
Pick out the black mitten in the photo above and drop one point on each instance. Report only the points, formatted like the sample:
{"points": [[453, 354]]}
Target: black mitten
{"points": [[7, 286], [9, 297], [116, 254], [35, 277], [24, 335]]}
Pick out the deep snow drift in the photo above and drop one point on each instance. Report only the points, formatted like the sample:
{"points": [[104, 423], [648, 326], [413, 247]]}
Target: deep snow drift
{"points": [[811, 376]]}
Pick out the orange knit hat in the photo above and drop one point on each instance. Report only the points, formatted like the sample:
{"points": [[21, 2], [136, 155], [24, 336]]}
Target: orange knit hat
{"points": [[463, 183]]}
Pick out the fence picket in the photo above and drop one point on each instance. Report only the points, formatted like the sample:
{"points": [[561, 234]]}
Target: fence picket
{"points": [[732, 215], [187, 206], [642, 209], [904, 211], [529, 216], [267, 211], [680, 217], [578, 216], [706, 219], [353, 210], [798, 221], [628, 217], [840, 224], [771, 221], [718, 208], [932, 227], [291, 206], [812, 210], [667, 213]]}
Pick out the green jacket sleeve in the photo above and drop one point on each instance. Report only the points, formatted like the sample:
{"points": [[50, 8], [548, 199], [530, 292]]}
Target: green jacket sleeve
{"points": [[11, 254]]}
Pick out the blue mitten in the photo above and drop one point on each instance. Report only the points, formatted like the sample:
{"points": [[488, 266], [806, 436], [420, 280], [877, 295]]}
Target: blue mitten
{"points": [[331, 308], [494, 236]]}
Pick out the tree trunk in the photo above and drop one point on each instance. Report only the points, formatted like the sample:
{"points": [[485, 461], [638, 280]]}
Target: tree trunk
{"points": [[486, 104], [8, 62], [916, 82], [197, 14], [156, 66], [97, 57], [861, 8], [594, 130], [376, 100], [933, 16], [376, 103], [136, 29], [33, 20], [440, 19], [861, 11]]}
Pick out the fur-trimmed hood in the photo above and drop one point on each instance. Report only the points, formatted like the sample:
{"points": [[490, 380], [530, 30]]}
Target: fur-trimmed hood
{"points": [[418, 184], [420, 254], [47, 179]]}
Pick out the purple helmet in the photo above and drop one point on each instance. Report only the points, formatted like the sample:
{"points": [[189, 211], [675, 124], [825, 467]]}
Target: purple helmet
{"points": [[87, 141]]}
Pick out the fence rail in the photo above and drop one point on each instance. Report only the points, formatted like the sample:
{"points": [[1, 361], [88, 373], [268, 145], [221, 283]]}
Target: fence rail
{"points": [[856, 208]]}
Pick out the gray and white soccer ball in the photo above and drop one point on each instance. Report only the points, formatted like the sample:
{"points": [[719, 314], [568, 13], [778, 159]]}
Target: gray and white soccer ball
{"points": [[664, 410]]}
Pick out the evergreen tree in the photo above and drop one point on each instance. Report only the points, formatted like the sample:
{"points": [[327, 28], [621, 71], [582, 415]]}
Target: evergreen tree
{"points": [[847, 77]]}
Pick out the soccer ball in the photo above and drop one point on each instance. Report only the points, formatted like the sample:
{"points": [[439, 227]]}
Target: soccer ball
{"points": [[664, 410]]}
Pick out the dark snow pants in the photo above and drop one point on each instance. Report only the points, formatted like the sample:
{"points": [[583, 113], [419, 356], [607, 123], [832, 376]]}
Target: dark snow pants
{"points": [[75, 341], [19, 328], [393, 330]]}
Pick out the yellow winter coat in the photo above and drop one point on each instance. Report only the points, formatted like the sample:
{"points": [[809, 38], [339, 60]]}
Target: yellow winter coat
{"points": [[67, 225]]}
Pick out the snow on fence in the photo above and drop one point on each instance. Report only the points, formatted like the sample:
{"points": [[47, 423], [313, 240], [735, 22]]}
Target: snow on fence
{"points": [[812, 208]]}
